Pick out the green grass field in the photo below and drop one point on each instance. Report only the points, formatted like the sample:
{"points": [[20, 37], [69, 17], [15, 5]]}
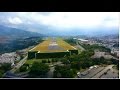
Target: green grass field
{"points": [[32, 61]]}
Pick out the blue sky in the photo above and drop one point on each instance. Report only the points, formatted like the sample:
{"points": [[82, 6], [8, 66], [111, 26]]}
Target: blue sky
{"points": [[60, 21]]}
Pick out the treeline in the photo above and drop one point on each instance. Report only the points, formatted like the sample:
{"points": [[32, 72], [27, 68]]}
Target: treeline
{"points": [[4, 67], [70, 41], [19, 44], [95, 46]]}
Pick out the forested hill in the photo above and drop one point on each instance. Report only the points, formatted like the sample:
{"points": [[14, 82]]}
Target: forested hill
{"points": [[16, 33]]}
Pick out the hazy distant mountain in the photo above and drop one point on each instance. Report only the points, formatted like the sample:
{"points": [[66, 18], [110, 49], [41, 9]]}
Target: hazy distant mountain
{"points": [[22, 32], [96, 32], [14, 32]]}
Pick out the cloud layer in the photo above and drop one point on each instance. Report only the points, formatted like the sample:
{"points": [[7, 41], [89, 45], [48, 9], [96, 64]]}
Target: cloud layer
{"points": [[62, 20], [14, 20]]}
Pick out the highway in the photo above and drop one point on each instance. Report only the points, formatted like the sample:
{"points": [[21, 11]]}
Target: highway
{"points": [[19, 65], [79, 46], [10, 73]]}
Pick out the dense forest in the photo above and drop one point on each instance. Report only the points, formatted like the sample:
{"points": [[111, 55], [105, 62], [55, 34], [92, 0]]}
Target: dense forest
{"points": [[19, 44]]}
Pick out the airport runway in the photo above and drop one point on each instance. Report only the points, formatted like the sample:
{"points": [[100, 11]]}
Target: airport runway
{"points": [[54, 46]]}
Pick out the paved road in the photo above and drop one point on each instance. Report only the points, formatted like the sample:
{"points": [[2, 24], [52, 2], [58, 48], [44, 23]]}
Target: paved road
{"points": [[9, 74], [57, 63], [79, 46], [110, 74], [50, 73], [19, 64], [103, 71], [52, 68], [22, 74]]}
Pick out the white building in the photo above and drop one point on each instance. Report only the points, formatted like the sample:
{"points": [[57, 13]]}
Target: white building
{"points": [[9, 57], [83, 41]]}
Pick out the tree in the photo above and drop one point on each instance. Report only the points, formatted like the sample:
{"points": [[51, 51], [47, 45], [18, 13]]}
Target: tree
{"points": [[102, 60], [5, 66], [1, 73], [117, 66], [54, 60], [38, 69], [65, 61], [85, 65], [63, 72], [114, 61], [44, 61], [75, 65], [48, 61], [27, 65], [23, 68]]}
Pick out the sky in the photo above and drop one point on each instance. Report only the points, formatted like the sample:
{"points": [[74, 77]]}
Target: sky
{"points": [[60, 21]]}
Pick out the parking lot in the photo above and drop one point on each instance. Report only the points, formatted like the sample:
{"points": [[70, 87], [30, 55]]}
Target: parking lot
{"points": [[111, 73], [91, 72], [99, 72]]}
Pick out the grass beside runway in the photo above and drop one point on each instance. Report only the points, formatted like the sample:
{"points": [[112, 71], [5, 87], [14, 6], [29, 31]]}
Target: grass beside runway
{"points": [[31, 61], [43, 47], [64, 44]]}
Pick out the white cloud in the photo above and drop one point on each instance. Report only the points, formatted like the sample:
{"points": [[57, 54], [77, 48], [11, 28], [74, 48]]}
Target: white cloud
{"points": [[14, 20], [73, 19], [66, 20], [80, 20]]}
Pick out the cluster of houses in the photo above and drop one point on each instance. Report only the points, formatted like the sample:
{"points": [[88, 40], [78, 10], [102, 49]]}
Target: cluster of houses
{"points": [[9, 58], [107, 43]]}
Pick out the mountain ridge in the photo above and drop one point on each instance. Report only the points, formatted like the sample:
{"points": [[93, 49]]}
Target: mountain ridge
{"points": [[15, 32]]}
